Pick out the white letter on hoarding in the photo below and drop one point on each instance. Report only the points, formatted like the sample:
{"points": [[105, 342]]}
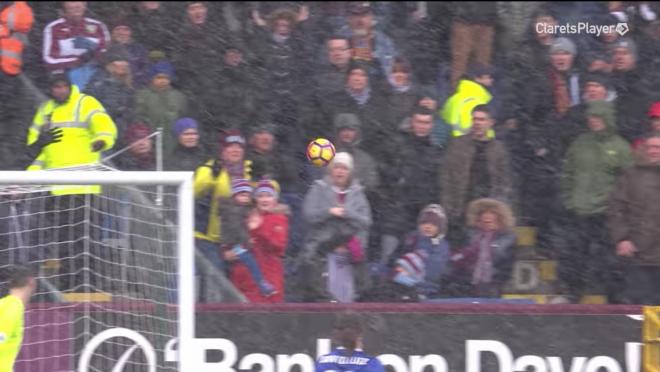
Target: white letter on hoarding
{"points": [[633, 354], [395, 361], [171, 351], [556, 364], [418, 363], [595, 364], [525, 361], [285, 362], [323, 346], [227, 347], [264, 360], [476, 347]]}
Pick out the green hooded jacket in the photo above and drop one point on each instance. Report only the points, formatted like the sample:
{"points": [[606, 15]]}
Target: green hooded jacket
{"points": [[593, 163]]}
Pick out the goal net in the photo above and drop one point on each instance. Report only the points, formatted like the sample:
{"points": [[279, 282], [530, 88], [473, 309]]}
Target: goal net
{"points": [[115, 265]]}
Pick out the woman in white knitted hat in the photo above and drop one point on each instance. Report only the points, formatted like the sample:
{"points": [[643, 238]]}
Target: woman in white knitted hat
{"points": [[338, 218]]}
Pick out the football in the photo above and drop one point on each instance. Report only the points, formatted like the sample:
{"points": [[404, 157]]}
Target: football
{"points": [[320, 152]]}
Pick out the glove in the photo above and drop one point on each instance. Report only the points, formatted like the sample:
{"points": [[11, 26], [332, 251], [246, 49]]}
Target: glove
{"points": [[84, 43], [97, 145], [54, 135]]}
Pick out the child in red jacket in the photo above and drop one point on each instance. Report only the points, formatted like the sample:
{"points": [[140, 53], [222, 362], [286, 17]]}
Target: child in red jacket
{"points": [[268, 227]]}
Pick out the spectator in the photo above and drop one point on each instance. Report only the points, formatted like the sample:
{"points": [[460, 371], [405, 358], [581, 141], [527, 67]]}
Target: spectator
{"points": [[269, 229], [470, 92], [429, 243], [420, 164], [113, 87], [16, 19], [564, 79], [332, 75], [69, 130], [189, 153], [633, 224], [122, 34], [204, 40], [160, 104], [632, 92], [336, 210], [474, 166], [598, 62], [402, 93], [441, 131], [234, 241], [348, 137], [486, 263], [271, 162], [653, 124], [212, 184], [368, 44], [367, 102], [240, 94], [140, 155], [593, 162], [472, 31], [152, 26], [81, 123], [281, 51], [73, 42]]}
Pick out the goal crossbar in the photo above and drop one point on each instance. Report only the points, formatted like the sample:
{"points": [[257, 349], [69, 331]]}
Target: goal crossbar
{"points": [[185, 242]]}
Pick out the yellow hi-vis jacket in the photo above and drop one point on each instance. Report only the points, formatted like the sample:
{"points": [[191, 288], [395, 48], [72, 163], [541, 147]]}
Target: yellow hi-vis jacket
{"points": [[83, 121], [457, 112], [210, 189]]}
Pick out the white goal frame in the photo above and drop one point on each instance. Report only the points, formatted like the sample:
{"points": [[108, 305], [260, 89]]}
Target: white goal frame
{"points": [[185, 232]]}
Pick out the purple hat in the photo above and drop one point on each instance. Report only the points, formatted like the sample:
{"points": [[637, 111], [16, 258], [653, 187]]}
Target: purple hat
{"points": [[240, 185], [183, 124], [266, 186]]}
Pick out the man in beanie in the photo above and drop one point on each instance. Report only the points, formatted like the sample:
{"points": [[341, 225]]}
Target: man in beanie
{"points": [[113, 86], [122, 35], [653, 124], [235, 239], [160, 104], [336, 210], [634, 95], [268, 227], [593, 162], [189, 153], [213, 184]]}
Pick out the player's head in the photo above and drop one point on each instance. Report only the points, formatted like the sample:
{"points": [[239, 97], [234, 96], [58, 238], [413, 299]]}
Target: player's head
{"points": [[347, 331], [19, 278]]}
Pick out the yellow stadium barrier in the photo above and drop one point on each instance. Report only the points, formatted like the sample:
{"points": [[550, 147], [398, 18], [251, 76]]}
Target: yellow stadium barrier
{"points": [[651, 337]]}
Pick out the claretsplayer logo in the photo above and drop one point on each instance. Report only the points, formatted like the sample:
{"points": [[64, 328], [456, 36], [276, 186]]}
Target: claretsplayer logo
{"points": [[139, 341], [622, 28]]}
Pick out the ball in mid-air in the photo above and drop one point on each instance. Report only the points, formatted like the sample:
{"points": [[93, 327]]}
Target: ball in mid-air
{"points": [[320, 152]]}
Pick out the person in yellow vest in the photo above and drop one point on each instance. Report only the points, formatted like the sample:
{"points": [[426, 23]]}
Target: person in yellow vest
{"points": [[472, 91], [212, 185], [71, 129]]}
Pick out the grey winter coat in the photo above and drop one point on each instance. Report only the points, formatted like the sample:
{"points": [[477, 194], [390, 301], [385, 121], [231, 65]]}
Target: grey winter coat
{"points": [[322, 227]]}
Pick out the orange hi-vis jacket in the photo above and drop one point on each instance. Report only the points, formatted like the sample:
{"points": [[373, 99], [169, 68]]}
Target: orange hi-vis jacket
{"points": [[15, 22]]}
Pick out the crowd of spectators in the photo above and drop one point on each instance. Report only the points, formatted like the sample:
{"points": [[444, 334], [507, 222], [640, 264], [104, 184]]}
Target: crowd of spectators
{"points": [[453, 122]]}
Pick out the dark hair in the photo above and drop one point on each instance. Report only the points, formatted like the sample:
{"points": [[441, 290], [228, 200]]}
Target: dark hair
{"points": [[482, 108], [357, 65], [401, 64], [337, 37], [347, 331], [17, 276], [421, 110]]}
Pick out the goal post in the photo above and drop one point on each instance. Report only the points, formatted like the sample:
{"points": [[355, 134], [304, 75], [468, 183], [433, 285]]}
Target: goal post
{"points": [[185, 255]]}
